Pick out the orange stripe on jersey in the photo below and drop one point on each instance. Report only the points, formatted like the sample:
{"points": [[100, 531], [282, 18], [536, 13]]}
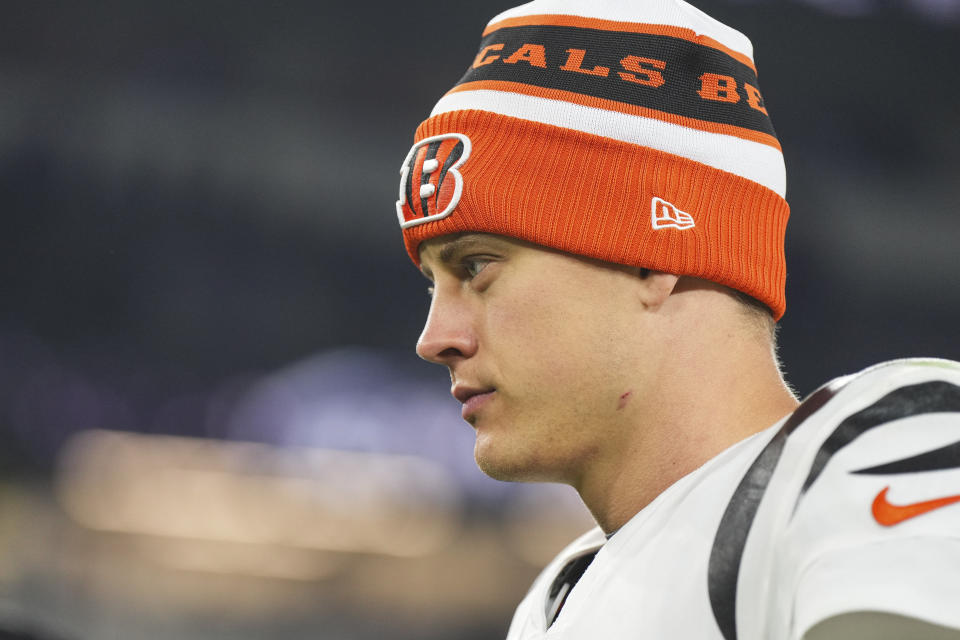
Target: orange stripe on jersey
{"points": [[620, 107], [624, 27]]}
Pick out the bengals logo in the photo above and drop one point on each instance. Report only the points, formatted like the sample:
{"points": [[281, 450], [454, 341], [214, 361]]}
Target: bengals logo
{"points": [[430, 185]]}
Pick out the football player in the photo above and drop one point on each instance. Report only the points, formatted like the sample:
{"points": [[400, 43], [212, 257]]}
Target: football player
{"points": [[600, 205]]}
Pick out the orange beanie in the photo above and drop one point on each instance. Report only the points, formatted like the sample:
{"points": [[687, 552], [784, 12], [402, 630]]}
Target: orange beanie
{"points": [[632, 131]]}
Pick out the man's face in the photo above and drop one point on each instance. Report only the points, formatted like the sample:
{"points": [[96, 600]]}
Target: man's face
{"points": [[545, 350]]}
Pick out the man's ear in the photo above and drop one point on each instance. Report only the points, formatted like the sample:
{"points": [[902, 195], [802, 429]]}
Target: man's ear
{"points": [[656, 287]]}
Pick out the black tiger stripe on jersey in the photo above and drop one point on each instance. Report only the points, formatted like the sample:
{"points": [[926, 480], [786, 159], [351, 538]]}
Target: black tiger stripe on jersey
{"points": [[725, 557], [540, 56], [947, 457], [724, 566], [913, 400]]}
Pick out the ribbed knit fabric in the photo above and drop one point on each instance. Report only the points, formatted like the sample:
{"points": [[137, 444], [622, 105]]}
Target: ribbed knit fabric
{"points": [[638, 143]]}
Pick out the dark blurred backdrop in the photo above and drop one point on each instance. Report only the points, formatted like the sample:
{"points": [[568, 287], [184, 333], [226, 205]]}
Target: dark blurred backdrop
{"points": [[206, 302]]}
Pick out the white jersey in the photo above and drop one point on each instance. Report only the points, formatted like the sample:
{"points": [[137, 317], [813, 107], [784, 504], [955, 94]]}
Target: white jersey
{"points": [[841, 521]]}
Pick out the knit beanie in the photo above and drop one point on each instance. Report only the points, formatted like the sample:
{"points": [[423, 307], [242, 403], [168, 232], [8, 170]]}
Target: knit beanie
{"points": [[631, 131]]}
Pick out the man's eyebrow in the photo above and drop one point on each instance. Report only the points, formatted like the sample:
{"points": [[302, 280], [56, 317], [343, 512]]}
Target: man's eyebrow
{"points": [[457, 245], [451, 249]]}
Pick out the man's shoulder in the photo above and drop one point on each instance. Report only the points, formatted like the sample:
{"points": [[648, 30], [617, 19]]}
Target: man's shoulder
{"points": [[876, 412], [864, 403], [886, 376], [857, 504], [895, 420], [874, 421], [894, 372]]}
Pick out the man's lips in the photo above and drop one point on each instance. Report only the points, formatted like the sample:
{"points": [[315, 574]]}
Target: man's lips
{"points": [[472, 398]]}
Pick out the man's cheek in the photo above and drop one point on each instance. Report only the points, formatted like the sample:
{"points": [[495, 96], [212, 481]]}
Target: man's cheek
{"points": [[521, 321]]}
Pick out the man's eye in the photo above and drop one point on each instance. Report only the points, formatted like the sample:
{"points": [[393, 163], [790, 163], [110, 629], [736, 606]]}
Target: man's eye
{"points": [[473, 266]]}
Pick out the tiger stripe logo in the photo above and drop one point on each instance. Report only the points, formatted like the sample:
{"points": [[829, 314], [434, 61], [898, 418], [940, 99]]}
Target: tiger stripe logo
{"points": [[430, 185]]}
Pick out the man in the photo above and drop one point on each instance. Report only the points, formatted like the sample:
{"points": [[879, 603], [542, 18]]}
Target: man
{"points": [[599, 204]]}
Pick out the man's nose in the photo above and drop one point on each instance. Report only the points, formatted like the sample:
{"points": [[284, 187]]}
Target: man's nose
{"points": [[448, 334]]}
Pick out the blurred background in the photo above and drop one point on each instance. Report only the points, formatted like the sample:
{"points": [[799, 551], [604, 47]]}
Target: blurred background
{"points": [[212, 421]]}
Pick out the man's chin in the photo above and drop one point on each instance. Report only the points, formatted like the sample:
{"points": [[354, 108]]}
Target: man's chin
{"points": [[509, 466], [499, 471], [499, 465]]}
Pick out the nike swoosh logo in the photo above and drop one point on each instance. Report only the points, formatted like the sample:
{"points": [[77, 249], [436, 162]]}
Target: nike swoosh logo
{"points": [[890, 514]]}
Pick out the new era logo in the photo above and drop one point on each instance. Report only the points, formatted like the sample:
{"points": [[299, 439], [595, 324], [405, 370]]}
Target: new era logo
{"points": [[663, 215]]}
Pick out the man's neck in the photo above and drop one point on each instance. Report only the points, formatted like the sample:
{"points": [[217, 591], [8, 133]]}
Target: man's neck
{"points": [[683, 425]]}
